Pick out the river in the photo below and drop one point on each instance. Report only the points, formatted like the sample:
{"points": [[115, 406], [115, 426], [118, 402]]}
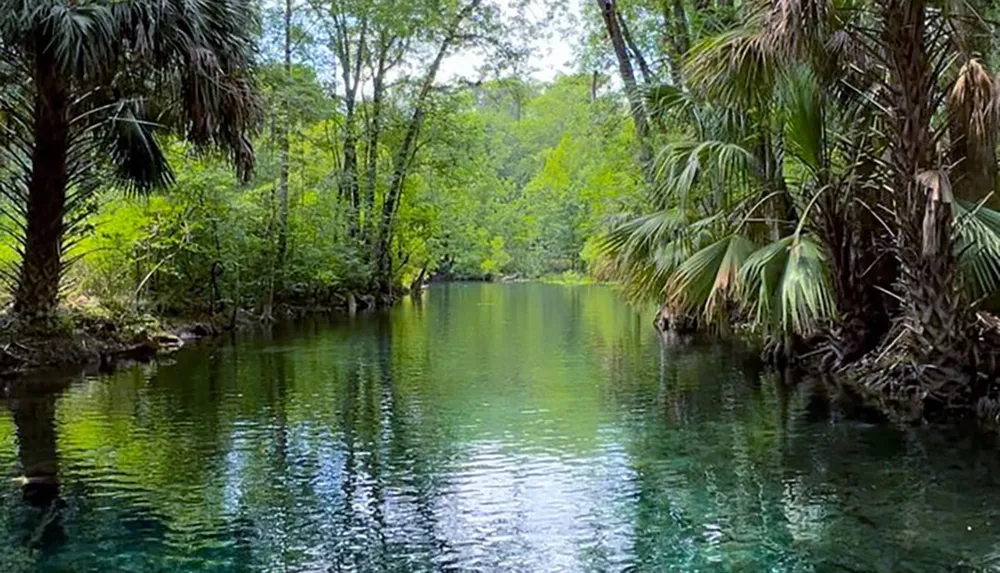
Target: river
{"points": [[489, 428]]}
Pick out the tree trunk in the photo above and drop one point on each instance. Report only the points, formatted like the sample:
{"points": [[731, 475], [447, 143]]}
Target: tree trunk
{"points": [[933, 337], [680, 37], [374, 136], [351, 66], [609, 11], [671, 45], [648, 77], [860, 277], [404, 158], [285, 152], [349, 176], [38, 286]]}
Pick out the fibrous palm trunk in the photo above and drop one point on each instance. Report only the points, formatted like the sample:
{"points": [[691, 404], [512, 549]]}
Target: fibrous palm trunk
{"points": [[932, 330], [38, 286]]}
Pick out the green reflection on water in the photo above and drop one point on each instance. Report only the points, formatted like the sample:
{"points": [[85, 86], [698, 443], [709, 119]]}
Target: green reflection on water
{"points": [[491, 427]]}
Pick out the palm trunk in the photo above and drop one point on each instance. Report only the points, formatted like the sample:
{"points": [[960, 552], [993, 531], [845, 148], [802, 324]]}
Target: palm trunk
{"points": [[860, 276], [933, 325], [38, 286]]}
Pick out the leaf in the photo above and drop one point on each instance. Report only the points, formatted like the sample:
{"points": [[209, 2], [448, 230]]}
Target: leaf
{"points": [[786, 285], [708, 279], [977, 244]]}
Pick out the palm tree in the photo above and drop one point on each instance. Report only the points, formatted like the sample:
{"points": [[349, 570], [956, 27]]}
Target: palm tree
{"points": [[89, 87], [867, 108]]}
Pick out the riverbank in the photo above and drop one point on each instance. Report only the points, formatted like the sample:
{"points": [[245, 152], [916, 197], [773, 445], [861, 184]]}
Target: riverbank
{"points": [[879, 384], [90, 335], [83, 338]]}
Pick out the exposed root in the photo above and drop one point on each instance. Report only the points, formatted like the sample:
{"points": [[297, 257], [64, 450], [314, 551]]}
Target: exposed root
{"points": [[950, 384]]}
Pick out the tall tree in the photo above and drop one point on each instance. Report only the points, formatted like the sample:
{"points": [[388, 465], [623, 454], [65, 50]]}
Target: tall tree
{"points": [[283, 169], [98, 81], [404, 153], [612, 24], [675, 30]]}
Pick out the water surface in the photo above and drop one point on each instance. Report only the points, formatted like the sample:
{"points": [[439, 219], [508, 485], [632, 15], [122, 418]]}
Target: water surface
{"points": [[490, 428]]}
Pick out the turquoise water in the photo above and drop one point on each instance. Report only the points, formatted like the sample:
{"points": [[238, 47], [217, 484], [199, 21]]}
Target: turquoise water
{"points": [[490, 428]]}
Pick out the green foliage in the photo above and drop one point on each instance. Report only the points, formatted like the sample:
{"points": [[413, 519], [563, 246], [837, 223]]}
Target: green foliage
{"points": [[504, 183], [786, 283], [978, 245]]}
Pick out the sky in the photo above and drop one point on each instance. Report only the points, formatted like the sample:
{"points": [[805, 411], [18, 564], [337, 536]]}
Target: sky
{"points": [[552, 52]]}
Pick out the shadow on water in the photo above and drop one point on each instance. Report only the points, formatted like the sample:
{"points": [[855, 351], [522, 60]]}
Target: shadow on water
{"points": [[487, 428]]}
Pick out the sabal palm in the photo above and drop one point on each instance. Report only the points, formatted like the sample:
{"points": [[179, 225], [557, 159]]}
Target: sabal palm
{"points": [[838, 129], [89, 85]]}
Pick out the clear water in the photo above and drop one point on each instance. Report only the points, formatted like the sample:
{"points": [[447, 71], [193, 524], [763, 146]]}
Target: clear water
{"points": [[492, 428]]}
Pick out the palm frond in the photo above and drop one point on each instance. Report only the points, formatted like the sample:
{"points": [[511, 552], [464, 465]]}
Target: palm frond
{"points": [[805, 133], [681, 165], [738, 67], [708, 279], [786, 286], [977, 241]]}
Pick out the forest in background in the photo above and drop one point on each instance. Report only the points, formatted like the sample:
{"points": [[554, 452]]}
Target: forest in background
{"points": [[371, 170]]}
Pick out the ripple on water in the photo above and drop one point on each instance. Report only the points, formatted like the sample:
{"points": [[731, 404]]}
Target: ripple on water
{"points": [[496, 428]]}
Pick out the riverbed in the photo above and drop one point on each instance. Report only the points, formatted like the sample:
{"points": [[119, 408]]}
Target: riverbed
{"points": [[520, 427]]}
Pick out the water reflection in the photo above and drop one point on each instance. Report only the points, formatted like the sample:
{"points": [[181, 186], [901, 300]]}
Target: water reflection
{"points": [[33, 412], [490, 428]]}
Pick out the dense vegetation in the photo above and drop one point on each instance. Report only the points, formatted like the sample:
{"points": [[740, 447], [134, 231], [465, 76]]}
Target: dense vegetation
{"points": [[818, 171], [825, 177], [359, 167]]}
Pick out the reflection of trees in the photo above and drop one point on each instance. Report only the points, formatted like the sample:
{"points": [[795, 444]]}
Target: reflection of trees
{"points": [[328, 468], [33, 405], [347, 449], [386, 510], [730, 466]]}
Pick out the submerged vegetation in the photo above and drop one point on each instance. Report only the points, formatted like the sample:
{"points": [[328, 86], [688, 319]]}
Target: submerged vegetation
{"points": [[819, 172]]}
